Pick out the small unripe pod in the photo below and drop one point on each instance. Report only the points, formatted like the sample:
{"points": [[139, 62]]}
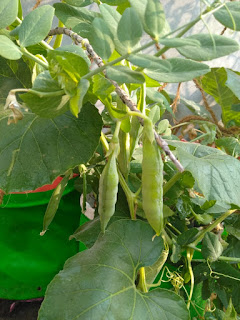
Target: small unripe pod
{"points": [[108, 189]]}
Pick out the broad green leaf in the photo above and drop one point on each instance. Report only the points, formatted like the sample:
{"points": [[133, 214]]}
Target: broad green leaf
{"points": [[36, 25], [46, 106], [56, 145], [90, 230], [176, 252], [97, 283], [159, 98], [72, 16], [129, 29], [230, 313], [102, 87], [8, 12], [234, 228], [67, 67], [210, 46], [101, 38], [76, 102], [230, 145], [233, 82], [216, 174], [112, 18], [233, 249], [213, 83], [229, 15], [187, 236], [154, 114], [8, 49], [141, 8], [123, 74], [211, 246], [76, 50], [179, 42], [154, 18], [13, 74], [169, 70]]}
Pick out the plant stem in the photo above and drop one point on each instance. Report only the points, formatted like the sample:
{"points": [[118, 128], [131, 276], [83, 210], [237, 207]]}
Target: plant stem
{"points": [[189, 260], [171, 182], [138, 114], [229, 259], [34, 58], [221, 258], [126, 55], [47, 94], [58, 39], [104, 142], [212, 226], [142, 280]]}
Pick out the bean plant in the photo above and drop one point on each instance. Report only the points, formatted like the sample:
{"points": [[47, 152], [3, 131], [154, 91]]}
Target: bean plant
{"points": [[164, 242]]}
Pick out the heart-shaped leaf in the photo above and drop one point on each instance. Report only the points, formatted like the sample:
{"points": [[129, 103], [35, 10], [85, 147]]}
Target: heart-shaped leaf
{"points": [[99, 283], [56, 145], [211, 246]]}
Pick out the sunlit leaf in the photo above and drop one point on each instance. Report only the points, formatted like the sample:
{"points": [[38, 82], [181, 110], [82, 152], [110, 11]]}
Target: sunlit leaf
{"points": [[8, 12], [229, 15], [8, 49], [36, 25], [210, 46]]}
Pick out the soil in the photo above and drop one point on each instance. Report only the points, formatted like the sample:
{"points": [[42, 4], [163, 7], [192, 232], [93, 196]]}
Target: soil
{"points": [[19, 310]]}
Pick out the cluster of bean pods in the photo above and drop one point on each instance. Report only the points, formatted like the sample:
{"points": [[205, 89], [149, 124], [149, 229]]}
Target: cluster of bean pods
{"points": [[152, 180]]}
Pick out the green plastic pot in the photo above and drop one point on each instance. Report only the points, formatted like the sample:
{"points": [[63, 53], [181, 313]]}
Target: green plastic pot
{"points": [[28, 261]]}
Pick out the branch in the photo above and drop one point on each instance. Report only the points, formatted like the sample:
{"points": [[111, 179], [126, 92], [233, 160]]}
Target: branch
{"points": [[122, 94]]}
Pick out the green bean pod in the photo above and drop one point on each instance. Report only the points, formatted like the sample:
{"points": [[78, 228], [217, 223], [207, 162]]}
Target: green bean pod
{"points": [[54, 202], [108, 189], [152, 180]]}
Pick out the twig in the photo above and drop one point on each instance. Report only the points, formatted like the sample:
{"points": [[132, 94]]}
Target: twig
{"points": [[227, 131], [206, 102], [38, 2], [122, 94], [163, 86], [177, 98]]}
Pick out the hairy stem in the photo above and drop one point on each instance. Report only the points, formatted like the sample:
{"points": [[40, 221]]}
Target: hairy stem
{"points": [[34, 58]]}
